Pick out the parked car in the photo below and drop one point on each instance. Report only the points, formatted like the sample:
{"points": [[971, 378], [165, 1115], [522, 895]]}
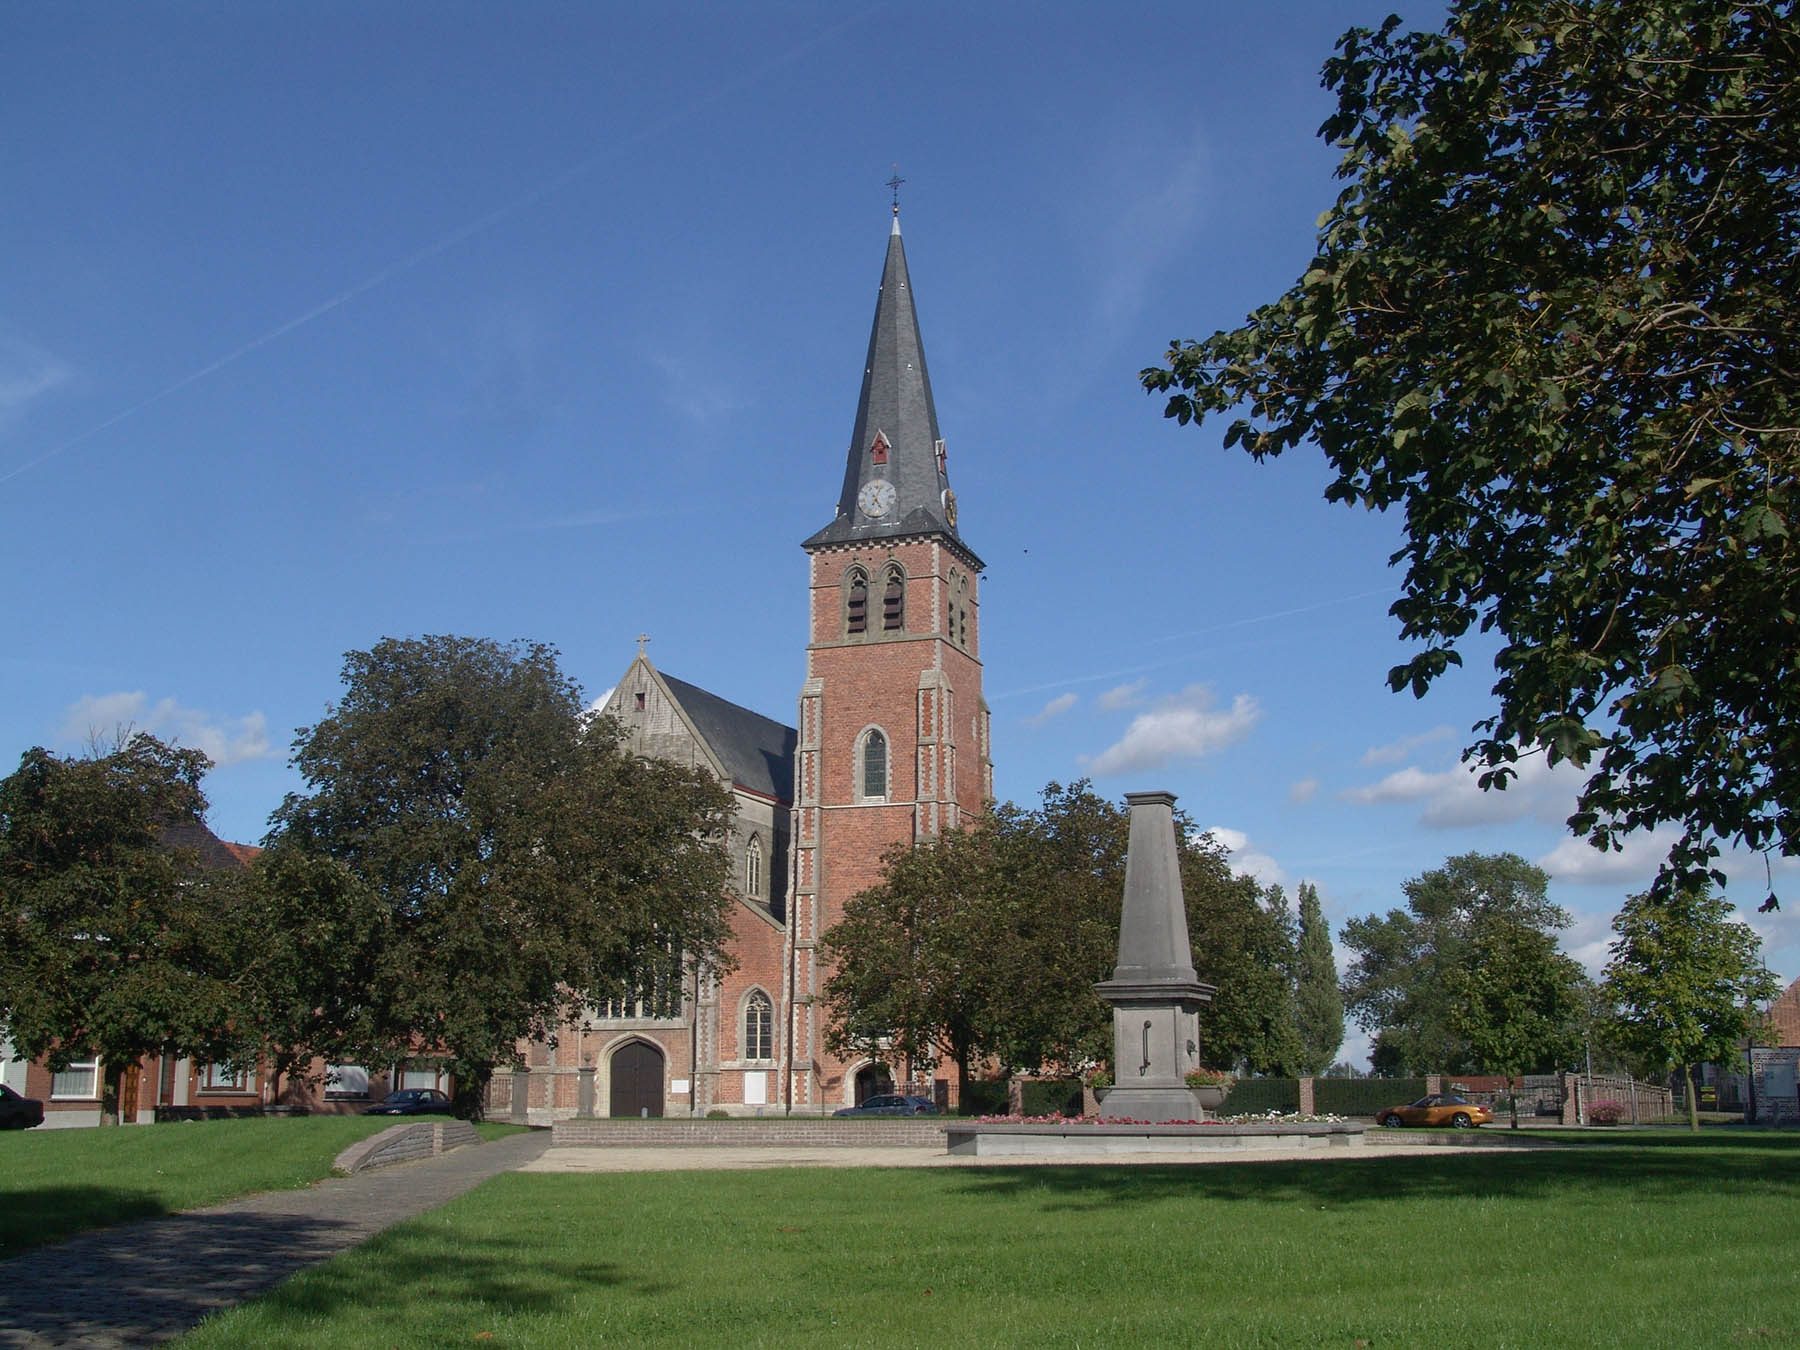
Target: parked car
{"points": [[1440, 1108], [412, 1102], [892, 1104], [19, 1113]]}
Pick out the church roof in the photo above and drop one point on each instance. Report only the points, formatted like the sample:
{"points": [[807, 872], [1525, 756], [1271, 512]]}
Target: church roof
{"points": [[896, 438], [757, 751], [213, 853], [1784, 1016]]}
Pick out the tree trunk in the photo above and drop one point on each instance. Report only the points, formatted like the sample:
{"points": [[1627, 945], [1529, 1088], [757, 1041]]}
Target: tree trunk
{"points": [[109, 1097], [1512, 1093], [469, 1101], [1687, 1074]]}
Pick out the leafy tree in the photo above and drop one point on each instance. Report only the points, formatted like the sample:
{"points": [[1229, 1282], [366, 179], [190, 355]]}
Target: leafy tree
{"points": [[112, 938], [525, 864], [1242, 937], [1516, 999], [313, 942], [1318, 1002], [1686, 980], [1411, 964], [1552, 317], [988, 942], [911, 962]]}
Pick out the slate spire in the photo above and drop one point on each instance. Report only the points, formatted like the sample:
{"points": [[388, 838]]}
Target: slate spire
{"points": [[895, 482]]}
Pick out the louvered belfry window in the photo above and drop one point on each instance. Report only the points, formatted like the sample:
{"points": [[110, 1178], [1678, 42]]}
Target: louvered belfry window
{"points": [[893, 602], [856, 603]]}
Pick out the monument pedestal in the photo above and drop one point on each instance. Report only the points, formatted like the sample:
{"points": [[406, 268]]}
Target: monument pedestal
{"points": [[1155, 994]]}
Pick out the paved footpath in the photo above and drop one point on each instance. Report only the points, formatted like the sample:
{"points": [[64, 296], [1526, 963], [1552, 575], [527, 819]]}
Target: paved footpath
{"points": [[144, 1282]]}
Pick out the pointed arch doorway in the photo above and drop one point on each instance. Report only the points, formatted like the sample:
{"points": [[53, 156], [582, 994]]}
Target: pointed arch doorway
{"points": [[635, 1081], [872, 1080]]}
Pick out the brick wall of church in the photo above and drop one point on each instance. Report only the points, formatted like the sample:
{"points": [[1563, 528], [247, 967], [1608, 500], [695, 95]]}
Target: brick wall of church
{"points": [[922, 689]]}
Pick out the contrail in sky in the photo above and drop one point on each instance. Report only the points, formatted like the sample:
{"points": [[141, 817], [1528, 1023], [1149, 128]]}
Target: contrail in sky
{"points": [[1187, 656], [474, 227]]}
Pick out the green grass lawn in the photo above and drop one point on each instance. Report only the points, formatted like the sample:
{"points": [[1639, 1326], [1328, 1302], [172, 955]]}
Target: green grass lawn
{"points": [[55, 1183], [1636, 1240]]}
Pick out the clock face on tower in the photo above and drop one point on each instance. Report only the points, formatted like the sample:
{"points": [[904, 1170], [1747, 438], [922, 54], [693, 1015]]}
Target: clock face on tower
{"points": [[877, 497]]}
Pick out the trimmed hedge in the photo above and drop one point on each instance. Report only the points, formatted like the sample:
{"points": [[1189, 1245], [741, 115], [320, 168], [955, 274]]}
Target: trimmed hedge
{"points": [[1364, 1096], [1060, 1097], [1254, 1096], [984, 1099]]}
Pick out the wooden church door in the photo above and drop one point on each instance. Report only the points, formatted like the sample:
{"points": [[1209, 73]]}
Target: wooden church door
{"points": [[637, 1081]]}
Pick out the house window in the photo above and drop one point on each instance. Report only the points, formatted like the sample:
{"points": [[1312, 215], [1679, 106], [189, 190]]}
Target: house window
{"points": [[856, 601], [893, 601], [874, 765], [80, 1080], [228, 1078], [346, 1080], [640, 700], [753, 868], [759, 1026]]}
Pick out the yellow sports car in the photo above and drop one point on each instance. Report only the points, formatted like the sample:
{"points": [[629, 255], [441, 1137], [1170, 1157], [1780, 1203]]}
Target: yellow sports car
{"points": [[1439, 1108]]}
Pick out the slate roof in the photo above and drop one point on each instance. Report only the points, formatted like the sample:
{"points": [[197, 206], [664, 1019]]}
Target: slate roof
{"points": [[895, 407], [757, 751]]}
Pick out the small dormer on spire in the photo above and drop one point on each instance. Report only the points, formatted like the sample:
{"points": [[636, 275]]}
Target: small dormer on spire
{"points": [[896, 480]]}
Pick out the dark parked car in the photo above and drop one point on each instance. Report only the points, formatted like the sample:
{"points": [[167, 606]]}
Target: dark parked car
{"points": [[892, 1104], [19, 1113], [412, 1102]]}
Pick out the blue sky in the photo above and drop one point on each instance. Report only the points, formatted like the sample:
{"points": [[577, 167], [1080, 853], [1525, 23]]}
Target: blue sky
{"points": [[334, 321]]}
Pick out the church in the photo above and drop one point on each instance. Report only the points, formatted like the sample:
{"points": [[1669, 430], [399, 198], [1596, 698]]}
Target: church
{"points": [[890, 747]]}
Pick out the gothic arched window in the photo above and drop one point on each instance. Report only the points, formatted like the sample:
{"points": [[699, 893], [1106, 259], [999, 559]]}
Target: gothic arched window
{"points": [[875, 764], [753, 868], [759, 1026], [893, 600], [856, 601]]}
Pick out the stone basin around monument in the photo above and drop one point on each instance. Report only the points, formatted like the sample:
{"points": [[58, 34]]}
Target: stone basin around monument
{"points": [[1074, 1139]]}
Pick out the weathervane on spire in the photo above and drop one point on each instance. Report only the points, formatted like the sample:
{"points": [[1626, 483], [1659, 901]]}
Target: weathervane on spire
{"points": [[895, 183]]}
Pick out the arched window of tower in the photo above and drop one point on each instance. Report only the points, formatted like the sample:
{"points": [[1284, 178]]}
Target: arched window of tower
{"points": [[874, 765]]}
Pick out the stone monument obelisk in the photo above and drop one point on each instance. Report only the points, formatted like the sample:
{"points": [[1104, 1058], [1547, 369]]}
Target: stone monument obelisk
{"points": [[1156, 995]]}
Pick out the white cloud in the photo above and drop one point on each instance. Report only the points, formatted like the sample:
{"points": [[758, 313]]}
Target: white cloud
{"points": [[1454, 798], [1181, 726], [27, 372], [1302, 791], [1246, 859], [223, 740], [1122, 696], [1056, 707], [598, 706], [1395, 751], [1575, 860]]}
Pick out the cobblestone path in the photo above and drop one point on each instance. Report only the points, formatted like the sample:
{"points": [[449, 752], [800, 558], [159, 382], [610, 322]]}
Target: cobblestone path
{"points": [[147, 1281]]}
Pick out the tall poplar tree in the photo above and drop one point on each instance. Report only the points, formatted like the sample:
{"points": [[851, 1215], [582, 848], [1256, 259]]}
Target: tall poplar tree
{"points": [[1318, 1002]]}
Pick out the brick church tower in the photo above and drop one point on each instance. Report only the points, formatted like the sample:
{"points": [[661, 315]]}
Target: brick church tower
{"points": [[893, 731]]}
